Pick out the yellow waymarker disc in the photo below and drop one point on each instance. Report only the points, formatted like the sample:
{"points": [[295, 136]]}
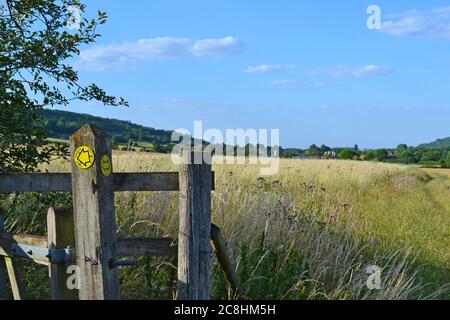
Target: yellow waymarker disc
{"points": [[106, 165], [84, 157]]}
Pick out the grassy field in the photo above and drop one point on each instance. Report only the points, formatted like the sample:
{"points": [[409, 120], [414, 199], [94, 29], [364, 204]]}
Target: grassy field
{"points": [[441, 171], [309, 232]]}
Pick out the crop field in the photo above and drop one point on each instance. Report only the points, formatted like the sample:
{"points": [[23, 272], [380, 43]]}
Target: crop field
{"points": [[309, 232]]}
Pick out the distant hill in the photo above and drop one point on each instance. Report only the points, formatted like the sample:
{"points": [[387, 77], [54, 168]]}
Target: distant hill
{"points": [[62, 124], [125, 134], [438, 144]]}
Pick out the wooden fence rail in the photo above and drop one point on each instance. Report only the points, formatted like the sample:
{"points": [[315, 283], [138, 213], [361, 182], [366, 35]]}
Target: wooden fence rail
{"points": [[62, 182], [126, 247]]}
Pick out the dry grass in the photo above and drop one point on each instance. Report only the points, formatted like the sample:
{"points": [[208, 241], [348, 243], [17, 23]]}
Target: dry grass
{"points": [[310, 232], [441, 171]]}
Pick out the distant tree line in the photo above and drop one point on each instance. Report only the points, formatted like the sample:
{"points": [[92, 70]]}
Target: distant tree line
{"points": [[435, 157], [130, 136]]}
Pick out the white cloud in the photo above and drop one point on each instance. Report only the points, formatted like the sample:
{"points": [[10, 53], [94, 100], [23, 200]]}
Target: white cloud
{"points": [[367, 71], [319, 84], [268, 68], [131, 53], [433, 24], [287, 83], [264, 68], [348, 71], [217, 47]]}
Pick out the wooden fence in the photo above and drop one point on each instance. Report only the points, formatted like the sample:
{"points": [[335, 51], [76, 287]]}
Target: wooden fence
{"points": [[84, 238]]}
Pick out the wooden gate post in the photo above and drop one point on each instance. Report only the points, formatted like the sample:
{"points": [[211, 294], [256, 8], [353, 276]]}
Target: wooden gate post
{"points": [[93, 204], [60, 233], [194, 248]]}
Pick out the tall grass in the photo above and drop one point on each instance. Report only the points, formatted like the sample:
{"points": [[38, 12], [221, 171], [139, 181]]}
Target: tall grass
{"points": [[310, 232]]}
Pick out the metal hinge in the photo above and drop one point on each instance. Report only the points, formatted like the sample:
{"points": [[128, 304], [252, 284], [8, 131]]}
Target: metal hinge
{"points": [[56, 256]]}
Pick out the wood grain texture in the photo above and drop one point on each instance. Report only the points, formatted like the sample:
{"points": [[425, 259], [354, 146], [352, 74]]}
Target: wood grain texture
{"points": [[7, 266], [60, 235], [155, 181], [126, 247], [7, 241], [62, 182], [194, 249], [7, 238], [146, 247], [220, 249], [35, 182], [95, 226], [14, 278]]}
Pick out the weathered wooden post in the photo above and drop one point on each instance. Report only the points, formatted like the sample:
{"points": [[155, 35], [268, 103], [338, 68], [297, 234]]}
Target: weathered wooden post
{"points": [[93, 204], [60, 233], [220, 249], [9, 266], [194, 249]]}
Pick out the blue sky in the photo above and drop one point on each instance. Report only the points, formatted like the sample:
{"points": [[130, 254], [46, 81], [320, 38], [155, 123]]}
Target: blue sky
{"points": [[309, 68]]}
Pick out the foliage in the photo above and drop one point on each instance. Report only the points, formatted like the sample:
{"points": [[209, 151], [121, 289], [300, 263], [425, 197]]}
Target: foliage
{"points": [[36, 46], [62, 124], [347, 154], [313, 150], [437, 157]]}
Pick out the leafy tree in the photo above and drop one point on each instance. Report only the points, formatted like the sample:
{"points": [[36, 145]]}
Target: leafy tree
{"points": [[114, 143], [347, 154], [377, 155], [407, 157], [445, 160], [324, 148], [36, 46], [431, 155], [288, 153], [314, 150]]}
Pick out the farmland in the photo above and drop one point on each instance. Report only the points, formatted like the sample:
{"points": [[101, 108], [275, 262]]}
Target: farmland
{"points": [[310, 232]]}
